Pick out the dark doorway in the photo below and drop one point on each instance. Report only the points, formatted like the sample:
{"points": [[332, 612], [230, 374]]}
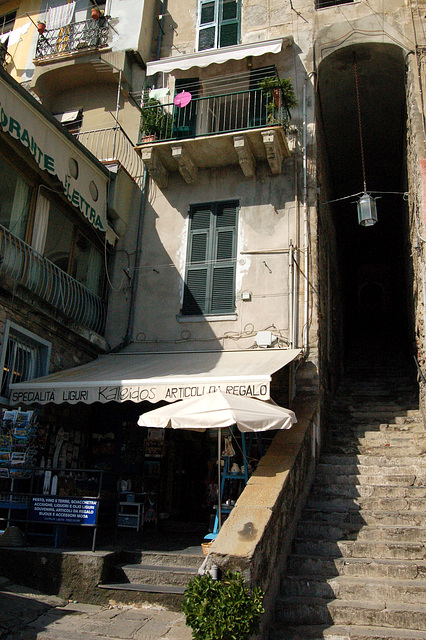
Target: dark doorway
{"points": [[373, 262]]}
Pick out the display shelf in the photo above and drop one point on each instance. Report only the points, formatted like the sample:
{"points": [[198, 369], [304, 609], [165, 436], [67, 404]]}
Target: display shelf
{"points": [[130, 515]]}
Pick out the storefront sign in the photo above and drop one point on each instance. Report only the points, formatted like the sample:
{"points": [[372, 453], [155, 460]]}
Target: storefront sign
{"points": [[152, 393], [85, 185], [63, 510]]}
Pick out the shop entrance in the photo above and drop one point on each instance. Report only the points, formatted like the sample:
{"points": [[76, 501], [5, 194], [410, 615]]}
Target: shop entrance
{"points": [[362, 139]]}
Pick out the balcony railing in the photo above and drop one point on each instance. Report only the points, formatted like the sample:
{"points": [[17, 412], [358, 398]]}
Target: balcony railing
{"points": [[212, 115], [72, 38], [113, 145], [43, 278]]}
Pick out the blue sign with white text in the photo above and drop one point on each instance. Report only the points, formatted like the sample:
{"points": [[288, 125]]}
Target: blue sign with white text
{"points": [[63, 510]]}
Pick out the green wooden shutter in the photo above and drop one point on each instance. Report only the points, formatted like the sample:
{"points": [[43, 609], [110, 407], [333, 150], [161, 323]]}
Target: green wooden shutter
{"points": [[210, 273], [223, 270], [195, 296]]}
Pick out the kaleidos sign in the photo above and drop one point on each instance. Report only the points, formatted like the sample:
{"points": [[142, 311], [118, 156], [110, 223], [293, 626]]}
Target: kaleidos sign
{"points": [[85, 186]]}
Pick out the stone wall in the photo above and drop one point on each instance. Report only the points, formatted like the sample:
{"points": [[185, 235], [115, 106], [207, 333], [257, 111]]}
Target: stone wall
{"points": [[256, 537]]}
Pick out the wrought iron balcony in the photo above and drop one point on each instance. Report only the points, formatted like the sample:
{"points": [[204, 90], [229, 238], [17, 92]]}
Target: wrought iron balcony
{"points": [[212, 131], [31, 270], [72, 38], [113, 145], [211, 115]]}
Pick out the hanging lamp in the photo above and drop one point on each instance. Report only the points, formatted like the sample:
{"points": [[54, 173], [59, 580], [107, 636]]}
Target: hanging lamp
{"points": [[366, 205]]}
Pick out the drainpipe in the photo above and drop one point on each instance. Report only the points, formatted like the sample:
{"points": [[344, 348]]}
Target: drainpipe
{"points": [[291, 292], [138, 250], [117, 108], [305, 224]]}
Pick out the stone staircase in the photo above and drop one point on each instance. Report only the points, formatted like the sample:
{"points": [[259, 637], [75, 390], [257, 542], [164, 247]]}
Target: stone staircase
{"points": [[357, 570]]}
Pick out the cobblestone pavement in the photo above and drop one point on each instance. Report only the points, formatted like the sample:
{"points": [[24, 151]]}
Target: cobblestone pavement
{"points": [[26, 614]]}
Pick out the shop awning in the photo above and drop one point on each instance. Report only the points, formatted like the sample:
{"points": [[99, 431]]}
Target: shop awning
{"points": [[216, 56], [158, 376]]}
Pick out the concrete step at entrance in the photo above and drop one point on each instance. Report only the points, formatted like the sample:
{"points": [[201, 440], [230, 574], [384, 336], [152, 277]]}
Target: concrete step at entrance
{"points": [[318, 611], [341, 632], [316, 565], [355, 588], [311, 530], [156, 574], [360, 549]]}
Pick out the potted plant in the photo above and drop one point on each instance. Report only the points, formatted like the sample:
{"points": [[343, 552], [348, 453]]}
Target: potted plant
{"points": [[280, 99], [222, 609], [156, 123], [41, 26], [95, 12]]}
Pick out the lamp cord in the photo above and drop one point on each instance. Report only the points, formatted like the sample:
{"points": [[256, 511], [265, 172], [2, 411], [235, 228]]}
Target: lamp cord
{"points": [[360, 123]]}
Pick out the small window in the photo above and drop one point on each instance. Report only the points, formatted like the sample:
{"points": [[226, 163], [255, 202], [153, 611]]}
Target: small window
{"points": [[7, 22], [321, 4], [15, 200], [24, 356], [219, 23], [210, 271]]}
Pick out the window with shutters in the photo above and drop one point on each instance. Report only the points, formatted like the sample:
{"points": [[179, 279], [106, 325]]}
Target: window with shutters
{"points": [[321, 4], [24, 355], [218, 23], [212, 247]]}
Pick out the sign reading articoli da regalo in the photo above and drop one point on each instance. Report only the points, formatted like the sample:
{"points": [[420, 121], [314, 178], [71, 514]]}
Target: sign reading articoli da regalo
{"points": [[85, 185]]}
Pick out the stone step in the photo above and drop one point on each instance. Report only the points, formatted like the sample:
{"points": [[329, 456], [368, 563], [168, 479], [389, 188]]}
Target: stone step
{"points": [[379, 450], [344, 632], [381, 614], [155, 574], [322, 479], [311, 530], [388, 463], [360, 549], [368, 517], [371, 504], [354, 588], [368, 567], [367, 491], [144, 588]]}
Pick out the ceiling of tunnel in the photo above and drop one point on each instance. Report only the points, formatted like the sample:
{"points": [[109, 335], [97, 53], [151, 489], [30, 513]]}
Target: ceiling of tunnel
{"points": [[381, 80]]}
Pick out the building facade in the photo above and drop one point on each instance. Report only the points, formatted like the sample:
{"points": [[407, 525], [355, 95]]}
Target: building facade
{"points": [[247, 255]]}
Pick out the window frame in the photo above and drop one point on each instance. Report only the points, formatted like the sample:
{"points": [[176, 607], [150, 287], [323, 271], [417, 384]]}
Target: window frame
{"points": [[17, 335], [217, 23], [212, 264], [326, 4]]}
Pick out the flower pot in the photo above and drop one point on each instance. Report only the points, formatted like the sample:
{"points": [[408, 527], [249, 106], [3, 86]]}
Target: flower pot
{"points": [[95, 13], [41, 27]]}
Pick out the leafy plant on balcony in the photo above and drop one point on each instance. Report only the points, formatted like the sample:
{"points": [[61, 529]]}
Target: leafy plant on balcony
{"points": [[280, 97], [155, 121]]}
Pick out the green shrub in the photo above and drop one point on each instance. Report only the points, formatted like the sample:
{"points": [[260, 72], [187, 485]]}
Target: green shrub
{"points": [[222, 609]]}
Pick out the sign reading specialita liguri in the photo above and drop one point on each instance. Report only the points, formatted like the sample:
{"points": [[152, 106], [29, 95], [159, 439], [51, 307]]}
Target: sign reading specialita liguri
{"points": [[134, 393], [63, 510]]}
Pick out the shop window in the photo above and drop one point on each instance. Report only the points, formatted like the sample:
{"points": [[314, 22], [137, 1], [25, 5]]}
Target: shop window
{"points": [[15, 200], [210, 271], [218, 23], [321, 4], [23, 356]]}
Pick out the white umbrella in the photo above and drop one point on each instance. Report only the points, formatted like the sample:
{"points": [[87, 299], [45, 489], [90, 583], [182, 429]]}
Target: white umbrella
{"points": [[216, 411]]}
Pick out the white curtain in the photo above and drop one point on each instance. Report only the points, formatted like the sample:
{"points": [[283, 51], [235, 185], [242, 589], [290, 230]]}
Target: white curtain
{"points": [[40, 224], [19, 212]]}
